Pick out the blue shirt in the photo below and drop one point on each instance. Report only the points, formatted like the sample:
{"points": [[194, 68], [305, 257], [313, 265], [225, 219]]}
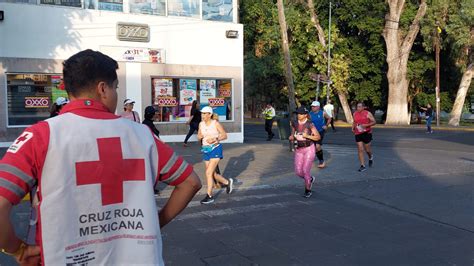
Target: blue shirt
{"points": [[318, 119]]}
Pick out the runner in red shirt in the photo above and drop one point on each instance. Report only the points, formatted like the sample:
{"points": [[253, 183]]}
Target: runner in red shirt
{"points": [[362, 128], [95, 174]]}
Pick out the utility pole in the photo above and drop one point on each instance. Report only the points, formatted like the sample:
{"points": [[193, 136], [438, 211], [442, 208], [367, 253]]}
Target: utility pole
{"points": [[329, 55], [317, 87], [286, 56], [438, 107]]}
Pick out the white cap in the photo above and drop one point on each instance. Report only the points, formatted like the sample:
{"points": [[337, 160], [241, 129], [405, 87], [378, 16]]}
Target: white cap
{"points": [[61, 101], [127, 101], [207, 109], [315, 103]]}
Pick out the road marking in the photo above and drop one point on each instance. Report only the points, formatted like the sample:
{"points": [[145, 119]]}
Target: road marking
{"points": [[231, 198], [237, 210]]}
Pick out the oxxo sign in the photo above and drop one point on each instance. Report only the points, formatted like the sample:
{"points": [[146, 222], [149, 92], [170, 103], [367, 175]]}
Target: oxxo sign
{"points": [[36, 102], [133, 32]]}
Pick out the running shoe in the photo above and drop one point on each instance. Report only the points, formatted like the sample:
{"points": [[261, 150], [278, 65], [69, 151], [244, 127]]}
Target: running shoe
{"points": [[322, 164], [307, 193], [312, 181], [371, 161], [362, 168], [230, 186], [207, 200]]}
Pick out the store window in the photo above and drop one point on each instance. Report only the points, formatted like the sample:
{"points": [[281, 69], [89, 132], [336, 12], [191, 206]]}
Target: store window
{"points": [[71, 3], [151, 7], [218, 10], [20, 1], [111, 5], [184, 8], [173, 97], [30, 97]]}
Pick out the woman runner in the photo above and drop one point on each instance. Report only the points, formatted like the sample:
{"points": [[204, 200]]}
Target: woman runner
{"points": [[304, 132]]}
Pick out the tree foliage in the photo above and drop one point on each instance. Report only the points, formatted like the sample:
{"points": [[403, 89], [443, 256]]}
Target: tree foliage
{"points": [[358, 50]]}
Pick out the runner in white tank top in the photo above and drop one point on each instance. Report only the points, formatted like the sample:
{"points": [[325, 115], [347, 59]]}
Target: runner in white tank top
{"points": [[211, 133]]}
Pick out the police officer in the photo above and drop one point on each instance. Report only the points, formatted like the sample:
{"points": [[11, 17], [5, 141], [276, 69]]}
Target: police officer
{"points": [[269, 114]]}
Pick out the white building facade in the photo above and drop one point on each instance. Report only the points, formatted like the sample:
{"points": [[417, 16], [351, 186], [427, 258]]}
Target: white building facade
{"points": [[170, 53]]}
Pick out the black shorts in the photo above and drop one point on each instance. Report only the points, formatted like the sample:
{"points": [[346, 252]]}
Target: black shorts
{"points": [[364, 137], [321, 134]]}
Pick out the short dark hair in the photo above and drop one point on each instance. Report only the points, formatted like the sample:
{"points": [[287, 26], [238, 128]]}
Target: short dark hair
{"points": [[85, 69]]}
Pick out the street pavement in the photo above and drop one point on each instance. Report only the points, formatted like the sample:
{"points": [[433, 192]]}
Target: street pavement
{"points": [[414, 207]]}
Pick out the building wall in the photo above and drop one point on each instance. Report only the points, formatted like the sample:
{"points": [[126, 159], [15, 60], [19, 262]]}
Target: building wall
{"points": [[49, 32], [37, 38]]}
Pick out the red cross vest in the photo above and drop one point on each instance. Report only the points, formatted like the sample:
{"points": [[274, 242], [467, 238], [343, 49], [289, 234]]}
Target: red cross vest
{"points": [[96, 193]]}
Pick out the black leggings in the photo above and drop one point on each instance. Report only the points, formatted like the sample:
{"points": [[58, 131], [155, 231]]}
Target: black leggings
{"points": [[268, 126], [192, 127]]}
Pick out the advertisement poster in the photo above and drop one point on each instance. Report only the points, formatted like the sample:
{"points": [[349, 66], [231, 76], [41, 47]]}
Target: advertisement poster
{"points": [[142, 55], [208, 90], [217, 10], [111, 5], [187, 91], [57, 89], [134, 54], [163, 87], [150, 7], [225, 89], [72, 3], [184, 8]]}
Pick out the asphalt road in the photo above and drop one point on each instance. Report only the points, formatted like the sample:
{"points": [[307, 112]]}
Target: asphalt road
{"points": [[414, 207]]}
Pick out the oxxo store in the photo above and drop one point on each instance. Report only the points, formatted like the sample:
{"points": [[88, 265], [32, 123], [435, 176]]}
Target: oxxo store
{"points": [[167, 60]]}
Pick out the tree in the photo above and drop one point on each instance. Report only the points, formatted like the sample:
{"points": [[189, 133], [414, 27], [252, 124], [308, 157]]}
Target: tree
{"points": [[460, 34], [399, 43], [342, 67], [286, 55]]}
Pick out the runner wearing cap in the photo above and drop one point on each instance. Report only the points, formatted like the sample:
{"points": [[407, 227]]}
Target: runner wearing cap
{"points": [[320, 120], [305, 133], [128, 112], [211, 133], [58, 105]]}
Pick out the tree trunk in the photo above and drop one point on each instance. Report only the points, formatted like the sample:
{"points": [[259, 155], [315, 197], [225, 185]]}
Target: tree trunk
{"points": [[346, 107], [315, 21], [286, 55], [398, 50], [322, 40], [461, 96]]}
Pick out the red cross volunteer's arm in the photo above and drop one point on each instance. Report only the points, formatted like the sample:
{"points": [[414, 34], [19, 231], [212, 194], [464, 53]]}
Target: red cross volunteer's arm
{"points": [[20, 169], [175, 171]]}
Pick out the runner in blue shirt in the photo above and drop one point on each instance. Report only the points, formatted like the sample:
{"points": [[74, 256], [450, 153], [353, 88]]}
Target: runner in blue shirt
{"points": [[321, 120]]}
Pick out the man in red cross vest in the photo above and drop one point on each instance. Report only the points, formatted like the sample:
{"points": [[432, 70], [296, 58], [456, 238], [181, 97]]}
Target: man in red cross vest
{"points": [[95, 175]]}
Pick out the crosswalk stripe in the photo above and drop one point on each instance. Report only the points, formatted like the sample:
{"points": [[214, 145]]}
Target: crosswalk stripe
{"points": [[243, 198], [237, 210]]}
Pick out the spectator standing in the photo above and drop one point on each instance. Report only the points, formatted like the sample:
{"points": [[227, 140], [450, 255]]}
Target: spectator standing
{"points": [[128, 112]]}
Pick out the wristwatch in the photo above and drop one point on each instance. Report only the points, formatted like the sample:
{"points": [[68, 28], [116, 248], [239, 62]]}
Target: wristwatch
{"points": [[19, 252]]}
